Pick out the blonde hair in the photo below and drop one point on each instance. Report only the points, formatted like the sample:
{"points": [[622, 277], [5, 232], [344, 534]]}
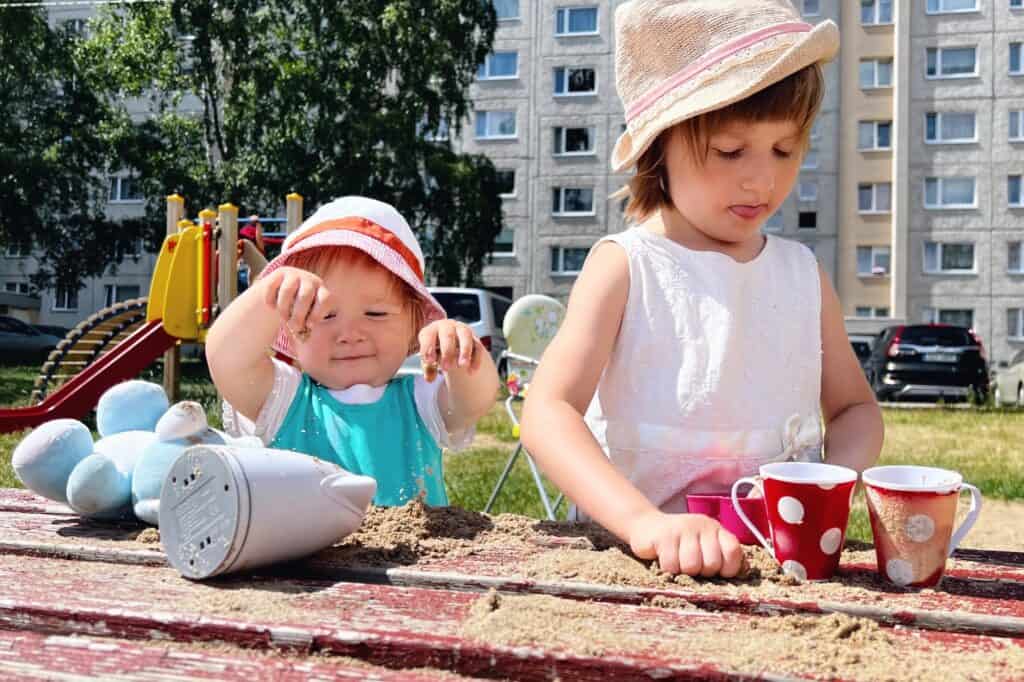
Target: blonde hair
{"points": [[795, 98], [322, 259]]}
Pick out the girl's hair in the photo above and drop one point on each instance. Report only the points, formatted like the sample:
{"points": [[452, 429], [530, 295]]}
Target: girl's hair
{"points": [[796, 98], [320, 260]]}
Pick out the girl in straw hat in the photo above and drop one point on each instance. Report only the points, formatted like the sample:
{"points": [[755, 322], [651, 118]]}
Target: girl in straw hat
{"points": [[346, 301], [696, 348]]}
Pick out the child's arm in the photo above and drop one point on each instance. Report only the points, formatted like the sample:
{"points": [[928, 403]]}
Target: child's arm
{"points": [[555, 434], [237, 347], [471, 379], [853, 421]]}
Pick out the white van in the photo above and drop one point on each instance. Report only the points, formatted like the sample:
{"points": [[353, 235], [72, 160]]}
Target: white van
{"points": [[482, 310]]}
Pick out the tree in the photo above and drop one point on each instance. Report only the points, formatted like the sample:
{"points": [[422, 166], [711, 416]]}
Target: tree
{"points": [[55, 145], [248, 101]]}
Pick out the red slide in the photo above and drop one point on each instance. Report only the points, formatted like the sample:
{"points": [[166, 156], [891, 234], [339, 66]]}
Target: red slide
{"points": [[80, 394]]}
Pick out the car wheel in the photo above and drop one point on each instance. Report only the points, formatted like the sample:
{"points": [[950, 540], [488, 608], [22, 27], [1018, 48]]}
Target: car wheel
{"points": [[997, 396], [978, 395]]}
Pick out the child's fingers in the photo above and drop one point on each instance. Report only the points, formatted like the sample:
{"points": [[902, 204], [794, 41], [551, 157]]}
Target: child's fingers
{"points": [[273, 285], [691, 560], [711, 553], [668, 555], [286, 296], [732, 553], [428, 344], [322, 303], [301, 306], [448, 341], [467, 344]]}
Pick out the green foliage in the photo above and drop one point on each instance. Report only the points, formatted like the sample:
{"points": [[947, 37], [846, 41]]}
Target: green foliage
{"points": [[249, 101]]}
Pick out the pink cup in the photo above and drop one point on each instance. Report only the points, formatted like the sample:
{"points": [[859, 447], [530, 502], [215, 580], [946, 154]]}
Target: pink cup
{"points": [[912, 511], [719, 507], [808, 506]]}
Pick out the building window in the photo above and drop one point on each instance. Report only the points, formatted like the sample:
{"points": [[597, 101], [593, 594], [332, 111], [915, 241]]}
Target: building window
{"points": [[951, 6], [951, 316], [812, 8], [430, 135], [115, 293], [874, 197], [807, 220], [875, 73], [499, 66], [576, 21], [1015, 258], [810, 160], [807, 191], [874, 12], [774, 222], [950, 127], [18, 250], [1015, 323], [567, 260], [872, 261], [506, 9], [952, 62], [1017, 125], [1016, 65], [874, 135], [573, 81], [1016, 4], [945, 258], [65, 300], [1013, 191], [125, 189], [16, 287], [574, 141], [569, 201], [949, 193], [495, 125], [870, 311], [504, 243], [130, 248], [506, 184]]}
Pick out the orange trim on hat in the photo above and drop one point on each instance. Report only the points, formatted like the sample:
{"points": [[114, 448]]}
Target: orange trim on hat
{"points": [[370, 229]]}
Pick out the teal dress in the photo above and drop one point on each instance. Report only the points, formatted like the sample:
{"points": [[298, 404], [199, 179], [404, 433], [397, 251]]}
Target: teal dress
{"points": [[386, 440]]}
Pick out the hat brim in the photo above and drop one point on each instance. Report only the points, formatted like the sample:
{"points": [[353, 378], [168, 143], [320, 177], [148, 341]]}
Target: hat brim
{"points": [[720, 88], [387, 257]]}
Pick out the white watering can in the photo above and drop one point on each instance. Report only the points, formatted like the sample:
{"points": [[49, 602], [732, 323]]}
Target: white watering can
{"points": [[225, 509]]}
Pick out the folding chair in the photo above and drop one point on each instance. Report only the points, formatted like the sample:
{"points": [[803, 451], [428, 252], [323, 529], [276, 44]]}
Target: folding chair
{"points": [[530, 324]]}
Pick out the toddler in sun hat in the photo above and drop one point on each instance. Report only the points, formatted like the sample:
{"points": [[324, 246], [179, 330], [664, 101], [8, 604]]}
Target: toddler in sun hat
{"points": [[345, 302], [695, 347]]}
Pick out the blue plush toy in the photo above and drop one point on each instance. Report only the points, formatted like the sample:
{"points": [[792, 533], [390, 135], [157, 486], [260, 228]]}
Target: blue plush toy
{"points": [[122, 472]]}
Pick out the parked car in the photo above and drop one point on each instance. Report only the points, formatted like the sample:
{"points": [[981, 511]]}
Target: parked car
{"points": [[52, 330], [928, 361], [484, 312], [862, 344], [1008, 381], [21, 342]]}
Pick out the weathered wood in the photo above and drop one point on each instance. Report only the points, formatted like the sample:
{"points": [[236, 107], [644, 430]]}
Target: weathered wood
{"points": [[29, 655], [978, 598], [390, 626]]}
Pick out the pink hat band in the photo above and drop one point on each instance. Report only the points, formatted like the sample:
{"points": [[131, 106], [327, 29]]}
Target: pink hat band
{"points": [[368, 228]]}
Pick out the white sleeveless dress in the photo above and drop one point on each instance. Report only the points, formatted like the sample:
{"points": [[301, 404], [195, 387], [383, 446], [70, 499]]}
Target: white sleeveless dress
{"points": [[716, 369]]}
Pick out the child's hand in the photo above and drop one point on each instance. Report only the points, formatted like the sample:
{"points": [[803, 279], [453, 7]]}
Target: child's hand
{"points": [[299, 297], [449, 344], [693, 544]]}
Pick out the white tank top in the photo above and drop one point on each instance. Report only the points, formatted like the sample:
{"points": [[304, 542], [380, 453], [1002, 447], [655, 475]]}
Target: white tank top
{"points": [[716, 368]]}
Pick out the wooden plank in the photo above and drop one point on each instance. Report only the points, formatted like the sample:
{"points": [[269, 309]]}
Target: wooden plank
{"points": [[28, 655], [415, 627], [978, 598]]}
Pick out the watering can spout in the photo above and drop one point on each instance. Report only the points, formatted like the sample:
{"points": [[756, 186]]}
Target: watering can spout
{"points": [[350, 490]]}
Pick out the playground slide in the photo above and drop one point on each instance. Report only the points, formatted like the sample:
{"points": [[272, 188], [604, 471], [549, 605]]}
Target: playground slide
{"points": [[80, 394]]}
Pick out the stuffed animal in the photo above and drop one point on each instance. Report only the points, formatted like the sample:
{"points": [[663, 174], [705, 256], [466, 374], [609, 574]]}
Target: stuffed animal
{"points": [[120, 474]]}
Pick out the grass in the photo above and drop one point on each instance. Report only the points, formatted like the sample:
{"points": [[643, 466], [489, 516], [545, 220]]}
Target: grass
{"points": [[983, 444]]}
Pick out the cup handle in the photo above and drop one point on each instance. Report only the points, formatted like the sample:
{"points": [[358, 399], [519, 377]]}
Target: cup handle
{"points": [[972, 516], [756, 482]]}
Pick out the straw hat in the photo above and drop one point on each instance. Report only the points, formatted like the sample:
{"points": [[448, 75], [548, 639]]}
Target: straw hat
{"points": [[371, 226], [676, 59]]}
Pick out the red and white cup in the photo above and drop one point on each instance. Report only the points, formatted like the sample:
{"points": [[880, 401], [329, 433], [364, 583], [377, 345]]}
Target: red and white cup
{"points": [[808, 505], [912, 511]]}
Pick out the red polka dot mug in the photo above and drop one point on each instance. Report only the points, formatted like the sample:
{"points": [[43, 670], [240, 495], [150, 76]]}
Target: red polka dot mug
{"points": [[808, 506], [912, 511]]}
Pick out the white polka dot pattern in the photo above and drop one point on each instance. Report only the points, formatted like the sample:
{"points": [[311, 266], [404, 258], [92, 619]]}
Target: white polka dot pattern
{"points": [[920, 528], [830, 540], [899, 571], [791, 510], [795, 569]]}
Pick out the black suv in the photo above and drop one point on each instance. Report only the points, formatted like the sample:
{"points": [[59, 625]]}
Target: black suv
{"points": [[928, 361]]}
